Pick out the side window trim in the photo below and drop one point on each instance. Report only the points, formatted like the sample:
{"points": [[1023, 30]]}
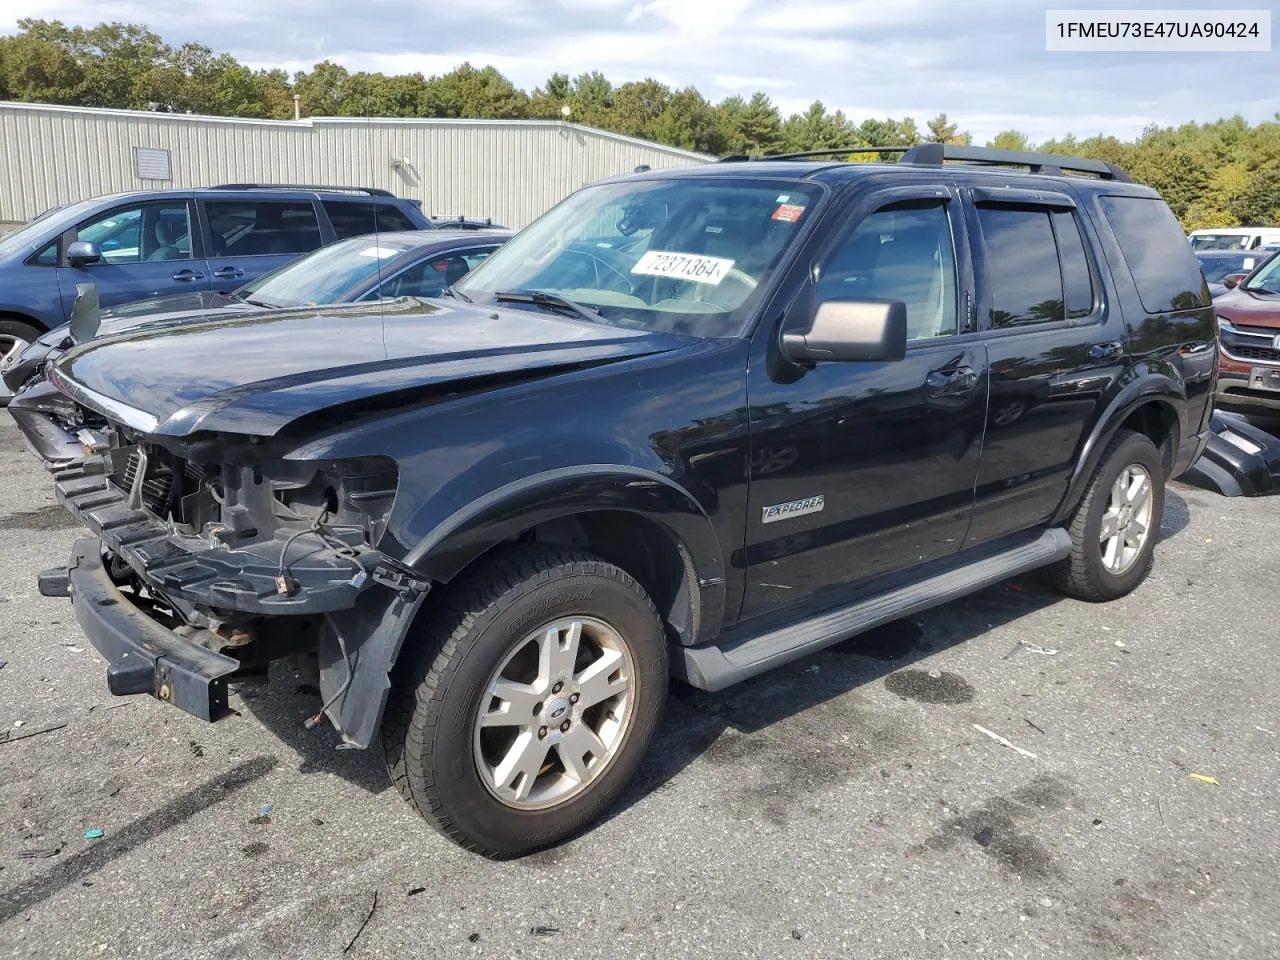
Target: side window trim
{"points": [[1090, 264], [982, 286], [848, 221]]}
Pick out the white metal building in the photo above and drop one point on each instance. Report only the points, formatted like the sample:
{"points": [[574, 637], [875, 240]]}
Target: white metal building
{"points": [[508, 170]]}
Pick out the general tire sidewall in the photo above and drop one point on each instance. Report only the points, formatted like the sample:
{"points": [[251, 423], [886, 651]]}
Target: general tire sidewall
{"points": [[1136, 449], [458, 781]]}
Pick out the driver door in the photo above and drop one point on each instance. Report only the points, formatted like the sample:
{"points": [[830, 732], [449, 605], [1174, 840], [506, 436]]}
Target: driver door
{"points": [[860, 469]]}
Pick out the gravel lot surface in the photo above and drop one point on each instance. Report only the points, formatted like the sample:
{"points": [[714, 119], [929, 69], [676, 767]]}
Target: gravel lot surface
{"points": [[846, 806]]}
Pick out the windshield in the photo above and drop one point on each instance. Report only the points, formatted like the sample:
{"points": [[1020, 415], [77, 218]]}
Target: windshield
{"points": [[1266, 278], [1221, 241], [44, 226], [682, 255], [324, 276], [1215, 268]]}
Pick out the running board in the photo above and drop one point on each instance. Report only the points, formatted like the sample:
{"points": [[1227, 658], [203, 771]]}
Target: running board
{"points": [[714, 668]]}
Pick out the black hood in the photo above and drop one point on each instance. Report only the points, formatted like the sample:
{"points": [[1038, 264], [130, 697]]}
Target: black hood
{"points": [[256, 374]]}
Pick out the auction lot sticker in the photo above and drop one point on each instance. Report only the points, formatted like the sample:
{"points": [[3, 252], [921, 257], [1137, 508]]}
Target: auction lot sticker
{"points": [[683, 266]]}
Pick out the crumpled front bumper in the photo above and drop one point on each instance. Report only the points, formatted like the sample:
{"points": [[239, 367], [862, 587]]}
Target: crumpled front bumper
{"points": [[143, 656]]}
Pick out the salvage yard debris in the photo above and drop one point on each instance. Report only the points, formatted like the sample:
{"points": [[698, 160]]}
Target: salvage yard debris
{"points": [[1001, 740], [9, 736], [1203, 779]]}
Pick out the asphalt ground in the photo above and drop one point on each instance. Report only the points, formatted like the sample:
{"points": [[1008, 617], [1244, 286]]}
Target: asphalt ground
{"points": [[846, 806]]}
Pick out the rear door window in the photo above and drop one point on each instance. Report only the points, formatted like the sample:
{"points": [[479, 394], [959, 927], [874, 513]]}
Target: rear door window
{"points": [[1160, 260], [1021, 260], [253, 228], [353, 218]]}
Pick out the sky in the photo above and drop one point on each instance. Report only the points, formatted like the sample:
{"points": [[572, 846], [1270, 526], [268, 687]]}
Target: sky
{"points": [[983, 62]]}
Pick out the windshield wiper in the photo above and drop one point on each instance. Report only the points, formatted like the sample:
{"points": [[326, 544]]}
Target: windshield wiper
{"points": [[1253, 289], [550, 300], [451, 292]]}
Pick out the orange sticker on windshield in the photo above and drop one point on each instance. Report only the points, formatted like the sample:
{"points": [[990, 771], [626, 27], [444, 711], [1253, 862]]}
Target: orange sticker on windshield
{"points": [[788, 213]]}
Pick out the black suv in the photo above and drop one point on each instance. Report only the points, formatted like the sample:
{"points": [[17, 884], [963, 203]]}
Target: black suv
{"points": [[695, 422]]}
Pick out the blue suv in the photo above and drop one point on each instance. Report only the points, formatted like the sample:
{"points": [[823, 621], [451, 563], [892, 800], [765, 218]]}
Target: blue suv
{"points": [[160, 242]]}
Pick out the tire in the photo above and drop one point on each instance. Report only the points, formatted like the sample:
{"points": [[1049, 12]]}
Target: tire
{"points": [[487, 623], [14, 335], [1086, 574]]}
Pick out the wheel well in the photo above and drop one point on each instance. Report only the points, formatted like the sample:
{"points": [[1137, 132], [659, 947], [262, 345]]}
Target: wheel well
{"points": [[643, 548], [23, 318], [1158, 423]]}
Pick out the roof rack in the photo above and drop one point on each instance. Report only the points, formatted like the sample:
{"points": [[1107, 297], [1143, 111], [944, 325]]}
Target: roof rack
{"points": [[935, 154], [369, 191]]}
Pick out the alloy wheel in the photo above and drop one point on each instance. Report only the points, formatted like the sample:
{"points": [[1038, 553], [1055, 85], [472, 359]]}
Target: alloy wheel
{"points": [[1126, 525]]}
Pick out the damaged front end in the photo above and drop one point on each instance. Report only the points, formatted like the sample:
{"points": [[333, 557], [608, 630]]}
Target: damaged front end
{"points": [[213, 557]]}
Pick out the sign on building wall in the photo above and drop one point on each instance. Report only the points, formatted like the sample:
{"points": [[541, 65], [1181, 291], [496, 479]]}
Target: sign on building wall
{"points": [[152, 163]]}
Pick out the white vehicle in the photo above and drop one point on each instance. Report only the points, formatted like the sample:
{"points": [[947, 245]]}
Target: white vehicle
{"points": [[1234, 238]]}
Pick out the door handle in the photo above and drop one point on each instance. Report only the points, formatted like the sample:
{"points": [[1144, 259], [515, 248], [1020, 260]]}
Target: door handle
{"points": [[1111, 350], [187, 276], [228, 273], [951, 381]]}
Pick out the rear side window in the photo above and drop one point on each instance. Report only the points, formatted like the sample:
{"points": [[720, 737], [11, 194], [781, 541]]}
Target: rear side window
{"points": [[258, 228], [1036, 265], [1164, 269], [353, 218], [1077, 284], [432, 277], [1021, 266]]}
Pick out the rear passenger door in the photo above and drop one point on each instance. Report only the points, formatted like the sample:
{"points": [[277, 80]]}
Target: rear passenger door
{"points": [[148, 250], [252, 236], [1055, 347]]}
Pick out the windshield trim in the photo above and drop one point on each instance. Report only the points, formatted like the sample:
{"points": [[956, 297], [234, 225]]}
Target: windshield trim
{"points": [[751, 308]]}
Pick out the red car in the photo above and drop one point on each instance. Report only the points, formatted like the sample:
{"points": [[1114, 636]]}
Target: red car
{"points": [[1249, 320]]}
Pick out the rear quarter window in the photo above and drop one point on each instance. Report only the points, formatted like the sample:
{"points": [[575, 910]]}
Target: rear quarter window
{"points": [[1164, 269]]}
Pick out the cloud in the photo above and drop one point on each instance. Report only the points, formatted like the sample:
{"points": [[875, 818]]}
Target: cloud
{"points": [[982, 62]]}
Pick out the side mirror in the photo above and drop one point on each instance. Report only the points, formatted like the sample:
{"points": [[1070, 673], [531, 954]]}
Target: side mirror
{"points": [[850, 330], [83, 252], [1232, 280]]}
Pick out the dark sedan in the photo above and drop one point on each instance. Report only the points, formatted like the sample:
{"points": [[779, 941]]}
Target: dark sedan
{"points": [[389, 265]]}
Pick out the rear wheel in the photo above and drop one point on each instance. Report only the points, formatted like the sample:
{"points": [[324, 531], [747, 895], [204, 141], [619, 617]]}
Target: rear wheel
{"points": [[1114, 530], [534, 695]]}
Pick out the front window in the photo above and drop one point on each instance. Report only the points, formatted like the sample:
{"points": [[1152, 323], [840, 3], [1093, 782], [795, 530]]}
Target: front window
{"points": [[683, 256], [324, 276], [1220, 241], [155, 231]]}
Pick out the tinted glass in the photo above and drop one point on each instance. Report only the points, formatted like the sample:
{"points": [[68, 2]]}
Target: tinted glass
{"points": [[1076, 281], [326, 276], [432, 277], [1266, 277], [1164, 269], [257, 228], [1021, 266], [901, 252], [1217, 267], [154, 231], [684, 255], [351, 218], [47, 257]]}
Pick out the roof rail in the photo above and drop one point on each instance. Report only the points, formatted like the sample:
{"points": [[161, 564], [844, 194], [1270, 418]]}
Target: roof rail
{"points": [[934, 154], [370, 191], [805, 154]]}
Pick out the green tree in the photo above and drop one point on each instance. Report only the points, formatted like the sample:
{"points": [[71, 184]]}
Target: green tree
{"points": [[637, 107], [468, 92], [1011, 140]]}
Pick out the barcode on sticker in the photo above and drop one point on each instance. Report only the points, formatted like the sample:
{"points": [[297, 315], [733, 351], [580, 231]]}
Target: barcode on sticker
{"points": [[683, 266]]}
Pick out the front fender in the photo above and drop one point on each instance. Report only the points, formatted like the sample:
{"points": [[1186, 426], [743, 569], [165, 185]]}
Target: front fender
{"points": [[515, 507], [1155, 386]]}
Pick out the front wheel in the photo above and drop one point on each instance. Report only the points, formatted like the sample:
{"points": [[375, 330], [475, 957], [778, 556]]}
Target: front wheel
{"points": [[533, 696], [1115, 528]]}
